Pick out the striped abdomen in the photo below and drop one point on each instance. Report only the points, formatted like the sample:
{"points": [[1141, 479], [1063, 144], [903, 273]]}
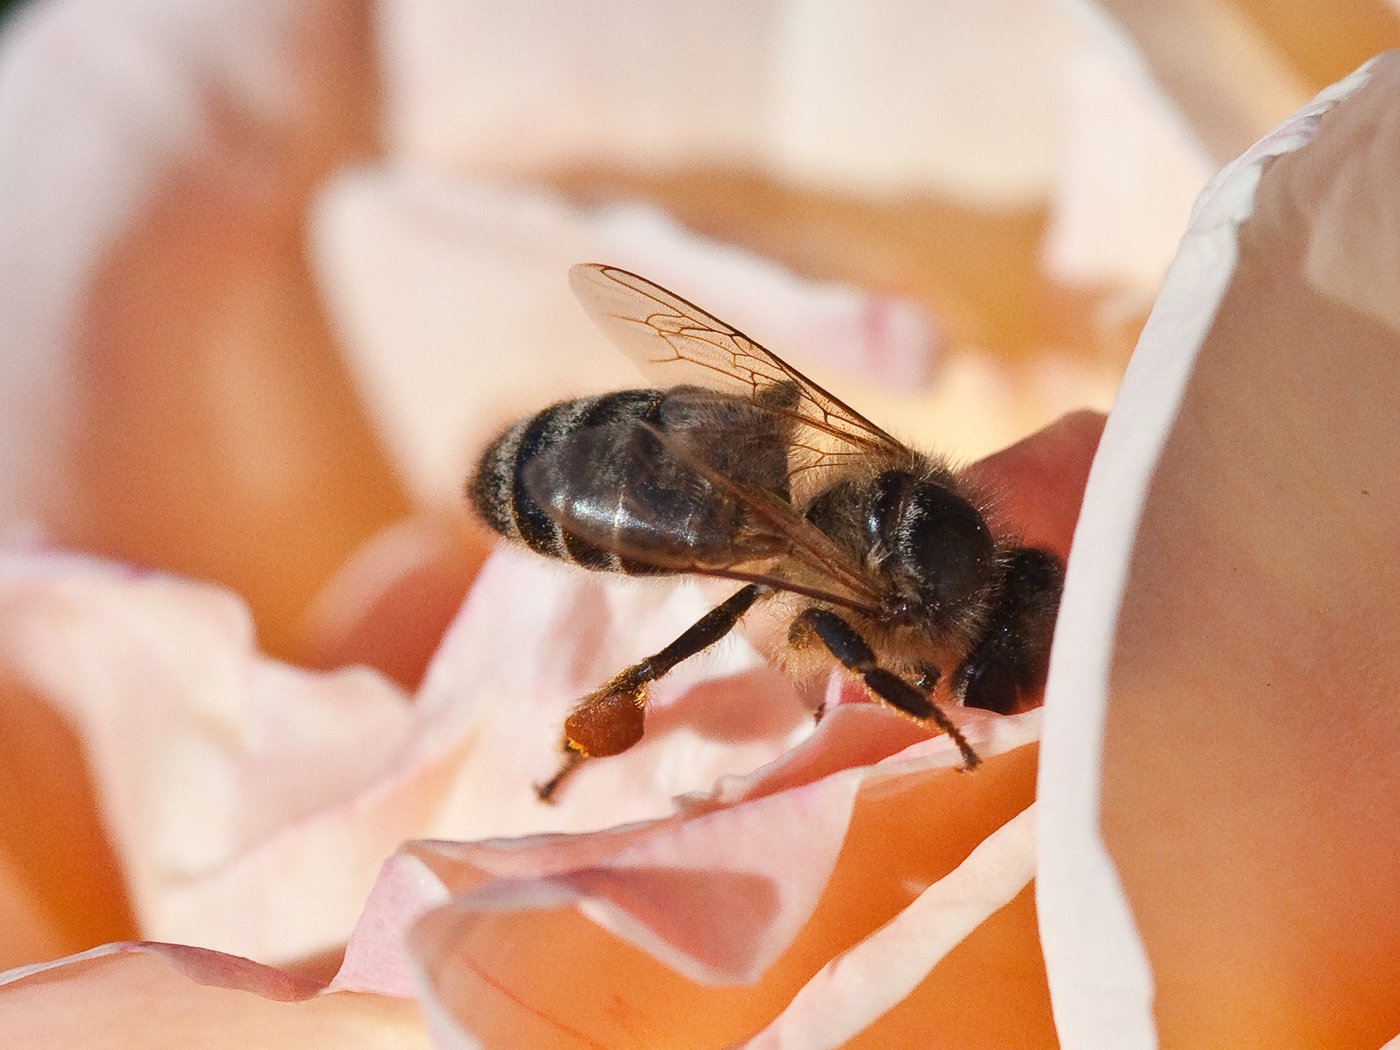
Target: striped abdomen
{"points": [[603, 482]]}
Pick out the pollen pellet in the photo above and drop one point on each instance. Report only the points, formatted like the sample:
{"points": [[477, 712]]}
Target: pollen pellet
{"points": [[604, 725]]}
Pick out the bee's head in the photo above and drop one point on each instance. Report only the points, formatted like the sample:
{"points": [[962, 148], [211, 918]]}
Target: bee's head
{"points": [[938, 550]]}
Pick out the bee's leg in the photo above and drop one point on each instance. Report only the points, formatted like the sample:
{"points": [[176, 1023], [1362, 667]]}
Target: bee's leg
{"points": [[845, 643], [609, 720], [1011, 660]]}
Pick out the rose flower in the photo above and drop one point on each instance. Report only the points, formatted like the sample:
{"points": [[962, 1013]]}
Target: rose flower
{"points": [[272, 712]]}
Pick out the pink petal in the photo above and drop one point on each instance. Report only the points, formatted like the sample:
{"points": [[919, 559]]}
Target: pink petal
{"points": [[140, 995], [203, 752], [499, 721], [253, 804], [1216, 700]]}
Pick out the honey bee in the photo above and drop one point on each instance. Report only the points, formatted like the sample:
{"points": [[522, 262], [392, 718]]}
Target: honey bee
{"points": [[743, 468]]}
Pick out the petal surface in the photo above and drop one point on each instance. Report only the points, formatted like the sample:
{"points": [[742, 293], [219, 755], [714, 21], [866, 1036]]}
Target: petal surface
{"points": [[1199, 874]]}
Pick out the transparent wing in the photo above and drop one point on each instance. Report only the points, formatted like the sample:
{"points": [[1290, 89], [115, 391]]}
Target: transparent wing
{"points": [[681, 343]]}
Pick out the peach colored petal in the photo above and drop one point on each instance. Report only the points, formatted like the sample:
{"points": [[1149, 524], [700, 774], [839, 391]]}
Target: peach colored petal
{"points": [[57, 852], [544, 933], [855, 989], [1206, 703], [154, 284], [456, 308], [144, 995]]}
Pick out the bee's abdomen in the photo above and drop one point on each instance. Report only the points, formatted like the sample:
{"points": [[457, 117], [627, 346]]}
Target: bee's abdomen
{"points": [[498, 488]]}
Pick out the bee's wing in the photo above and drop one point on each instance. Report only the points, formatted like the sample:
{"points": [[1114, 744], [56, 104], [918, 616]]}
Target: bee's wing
{"points": [[681, 343], [657, 501]]}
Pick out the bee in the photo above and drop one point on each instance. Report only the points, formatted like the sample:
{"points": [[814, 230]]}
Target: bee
{"points": [[741, 467]]}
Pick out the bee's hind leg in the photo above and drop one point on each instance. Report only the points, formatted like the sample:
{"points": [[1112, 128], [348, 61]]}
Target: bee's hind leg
{"points": [[610, 720], [845, 643]]}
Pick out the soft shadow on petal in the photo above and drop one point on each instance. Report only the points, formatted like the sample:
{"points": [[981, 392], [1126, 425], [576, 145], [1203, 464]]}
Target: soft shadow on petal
{"points": [[142, 995], [1242, 506]]}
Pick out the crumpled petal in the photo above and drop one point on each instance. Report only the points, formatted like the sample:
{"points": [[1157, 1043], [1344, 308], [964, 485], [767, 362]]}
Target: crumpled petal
{"points": [[202, 751], [759, 891], [1220, 691], [251, 804], [190, 997]]}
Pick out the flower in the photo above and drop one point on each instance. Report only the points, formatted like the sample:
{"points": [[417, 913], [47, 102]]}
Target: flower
{"points": [[279, 279]]}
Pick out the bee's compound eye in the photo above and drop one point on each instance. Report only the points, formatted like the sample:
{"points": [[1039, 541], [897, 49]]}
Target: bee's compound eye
{"points": [[607, 723], [950, 544]]}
